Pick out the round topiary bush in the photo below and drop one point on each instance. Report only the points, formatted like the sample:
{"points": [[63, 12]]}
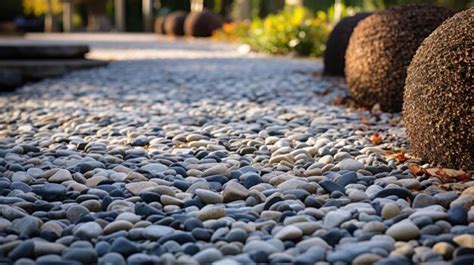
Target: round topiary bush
{"points": [[439, 96], [337, 44], [159, 25], [380, 50], [174, 23], [202, 24]]}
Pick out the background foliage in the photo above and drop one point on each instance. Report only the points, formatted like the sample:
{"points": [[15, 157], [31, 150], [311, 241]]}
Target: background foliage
{"points": [[304, 30], [260, 9], [39, 7]]}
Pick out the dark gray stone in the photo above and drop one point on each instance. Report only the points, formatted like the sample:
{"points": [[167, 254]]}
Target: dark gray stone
{"points": [[457, 215], [83, 255], [112, 259]]}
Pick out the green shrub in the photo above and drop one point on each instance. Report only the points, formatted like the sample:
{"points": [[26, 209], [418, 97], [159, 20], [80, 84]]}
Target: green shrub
{"points": [[294, 30]]}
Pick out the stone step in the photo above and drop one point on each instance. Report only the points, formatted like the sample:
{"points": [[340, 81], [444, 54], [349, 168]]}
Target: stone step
{"points": [[30, 50], [14, 73]]}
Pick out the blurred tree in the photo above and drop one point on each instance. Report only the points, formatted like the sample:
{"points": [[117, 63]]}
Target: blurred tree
{"points": [[270, 7], [133, 15], [226, 8], [222, 7], [48, 8], [174, 5], [97, 15], [40, 7], [10, 9]]}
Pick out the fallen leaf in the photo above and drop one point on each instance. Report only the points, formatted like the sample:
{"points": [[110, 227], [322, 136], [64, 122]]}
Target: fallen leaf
{"points": [[376, 139], [397, 155], [447, 174], [401, 157], [417, 170]]}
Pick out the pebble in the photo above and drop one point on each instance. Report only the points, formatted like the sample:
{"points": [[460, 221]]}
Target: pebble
{"points": [[257, 246], [4, 224], [60, 176], [88, 230], [366, 259], [211, 213], [27, 226], [390, 210], [311, 256], [306, 244], [444, 249], [48, 248], [350, 164], [140, 258], [330, 186], [457, 215], [154, 232], [124, 247], [234, 191], [112, 258], [137, 187], [208, 256], [76, 212], [236, 234], [52, 192], [465, 240], [336, 218], [24, 249], [83, 255], [347, 179], [216, 170], [208, 197], [289, 232], [117, 226], [130, 217], [423, 200], [403, 231]]}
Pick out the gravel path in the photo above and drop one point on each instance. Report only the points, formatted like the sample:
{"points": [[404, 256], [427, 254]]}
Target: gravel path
{"points": [[189, 152]]}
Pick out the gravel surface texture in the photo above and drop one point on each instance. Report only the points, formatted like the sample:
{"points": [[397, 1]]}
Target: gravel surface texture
{"points": [[190, 152]]}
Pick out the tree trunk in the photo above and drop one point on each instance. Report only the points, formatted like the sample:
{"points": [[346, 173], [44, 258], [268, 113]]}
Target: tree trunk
{"points": [[197, 5], [119, 15], [48, 19]]}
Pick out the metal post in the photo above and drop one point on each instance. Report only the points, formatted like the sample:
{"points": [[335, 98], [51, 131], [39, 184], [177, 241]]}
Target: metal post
{"points": [[119, 15], [147, 11], [67, 15]]}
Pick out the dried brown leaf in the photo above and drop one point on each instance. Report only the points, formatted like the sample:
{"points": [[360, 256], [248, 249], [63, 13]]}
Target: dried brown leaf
{"points": [[376, 139]]}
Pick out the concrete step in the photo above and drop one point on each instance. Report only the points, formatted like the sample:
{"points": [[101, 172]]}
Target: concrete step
{"points": [[31, 50], [14, 73]]}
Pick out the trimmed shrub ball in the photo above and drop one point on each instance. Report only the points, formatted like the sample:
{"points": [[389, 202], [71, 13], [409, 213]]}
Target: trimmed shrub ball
{"points": [[174, 23], [160, 25], [202, 24], [337, 44], [439, 95], [380, 50]]}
